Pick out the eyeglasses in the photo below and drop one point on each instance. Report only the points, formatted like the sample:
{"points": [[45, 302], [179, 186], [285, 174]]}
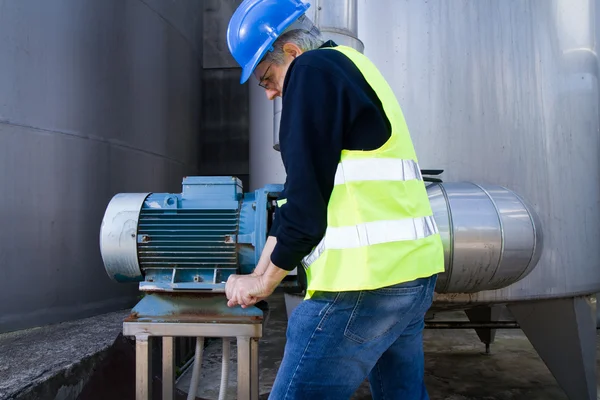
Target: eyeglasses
{"points": [[264, 78]]}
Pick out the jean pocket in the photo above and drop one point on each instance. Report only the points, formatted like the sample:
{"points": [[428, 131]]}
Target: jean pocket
{"points": [[378, 311]]}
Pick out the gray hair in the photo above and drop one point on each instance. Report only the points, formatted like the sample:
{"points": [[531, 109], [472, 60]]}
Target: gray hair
{"points": [[308, 37]]}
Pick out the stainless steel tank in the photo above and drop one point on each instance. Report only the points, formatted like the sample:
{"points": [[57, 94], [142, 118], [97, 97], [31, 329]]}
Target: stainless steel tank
{"points": [[501, 92], [96, 98], [505, 92], [498, 92]]}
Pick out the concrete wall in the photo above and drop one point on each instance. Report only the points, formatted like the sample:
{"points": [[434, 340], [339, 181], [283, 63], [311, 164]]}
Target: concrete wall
{"points": [[96, 98]]}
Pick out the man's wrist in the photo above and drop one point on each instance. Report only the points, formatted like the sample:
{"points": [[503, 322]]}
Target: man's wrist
{"points": [[273, 276], [265, 257]]}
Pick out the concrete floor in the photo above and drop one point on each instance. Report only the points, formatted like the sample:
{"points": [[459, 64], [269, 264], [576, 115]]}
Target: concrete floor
{"points": [[456, 366]]}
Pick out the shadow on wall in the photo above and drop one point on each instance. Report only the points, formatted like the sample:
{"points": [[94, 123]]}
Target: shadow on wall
{"points": [[225, 112]]}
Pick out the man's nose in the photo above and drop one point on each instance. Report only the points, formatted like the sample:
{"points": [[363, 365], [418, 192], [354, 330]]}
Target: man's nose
{"points": [[271, 94]]}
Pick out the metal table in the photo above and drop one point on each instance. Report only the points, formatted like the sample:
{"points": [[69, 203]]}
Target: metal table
{"points": [[170, 316]]}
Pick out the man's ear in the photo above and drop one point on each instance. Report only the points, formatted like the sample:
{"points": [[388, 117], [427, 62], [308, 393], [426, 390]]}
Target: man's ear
{"points": [[292, 49]]}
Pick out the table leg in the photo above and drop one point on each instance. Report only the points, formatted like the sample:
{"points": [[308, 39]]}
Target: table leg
{"points": [[243, 365], [143, 367], [168, 368], [254, 369]]}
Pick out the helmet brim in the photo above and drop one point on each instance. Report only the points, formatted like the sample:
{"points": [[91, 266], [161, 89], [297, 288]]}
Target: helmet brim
{"points": [[251, 66]]}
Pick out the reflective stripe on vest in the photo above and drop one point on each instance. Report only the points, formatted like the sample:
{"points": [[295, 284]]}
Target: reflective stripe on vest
{"points": [[370, 233], [376, 169]]}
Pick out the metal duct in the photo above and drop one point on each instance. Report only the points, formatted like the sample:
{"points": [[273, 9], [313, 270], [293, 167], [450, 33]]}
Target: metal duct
{"points": [[491, 237], [338, 21]]}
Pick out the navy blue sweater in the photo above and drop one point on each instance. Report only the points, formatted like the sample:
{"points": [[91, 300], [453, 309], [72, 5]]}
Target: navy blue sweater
{"points": [[327, 106]]}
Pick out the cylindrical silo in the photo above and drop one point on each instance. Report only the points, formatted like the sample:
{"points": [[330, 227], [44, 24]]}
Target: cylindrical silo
{"points": [[506, 93], [96, 98], [499, 92], [503, 92]]}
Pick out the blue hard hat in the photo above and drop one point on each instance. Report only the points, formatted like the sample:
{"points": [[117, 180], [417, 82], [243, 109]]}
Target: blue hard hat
{"points": [[255, 26]]}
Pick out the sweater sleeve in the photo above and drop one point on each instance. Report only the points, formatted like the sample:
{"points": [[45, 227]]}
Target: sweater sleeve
{"points": [[275, 224], [314, 118]]}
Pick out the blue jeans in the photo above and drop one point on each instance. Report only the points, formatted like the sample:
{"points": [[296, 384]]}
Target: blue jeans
{"points": [[336, 340]]}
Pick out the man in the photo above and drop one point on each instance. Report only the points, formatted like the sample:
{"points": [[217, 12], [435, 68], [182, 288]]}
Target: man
{"points": [[354, 213]]}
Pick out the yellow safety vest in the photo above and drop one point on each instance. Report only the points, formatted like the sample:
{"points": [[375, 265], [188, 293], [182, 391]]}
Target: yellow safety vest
{"points": [[380, 226]]}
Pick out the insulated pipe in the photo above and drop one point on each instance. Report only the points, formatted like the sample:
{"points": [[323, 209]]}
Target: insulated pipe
{"points": [[196, 370], [338, 21], [225, 369], [198, 364]]}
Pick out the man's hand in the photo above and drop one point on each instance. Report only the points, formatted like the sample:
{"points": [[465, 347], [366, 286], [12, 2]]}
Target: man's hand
{"points": [[247, 290]]}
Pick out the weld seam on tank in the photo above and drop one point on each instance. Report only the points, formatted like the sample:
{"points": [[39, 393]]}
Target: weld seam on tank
{"points": [[174, 27], [501, 226], [94, 138], [534, 225], [448, 272]]}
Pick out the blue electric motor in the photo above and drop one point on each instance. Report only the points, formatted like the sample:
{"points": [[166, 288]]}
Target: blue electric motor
{"points": [[191, 241], [195, 240]]}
